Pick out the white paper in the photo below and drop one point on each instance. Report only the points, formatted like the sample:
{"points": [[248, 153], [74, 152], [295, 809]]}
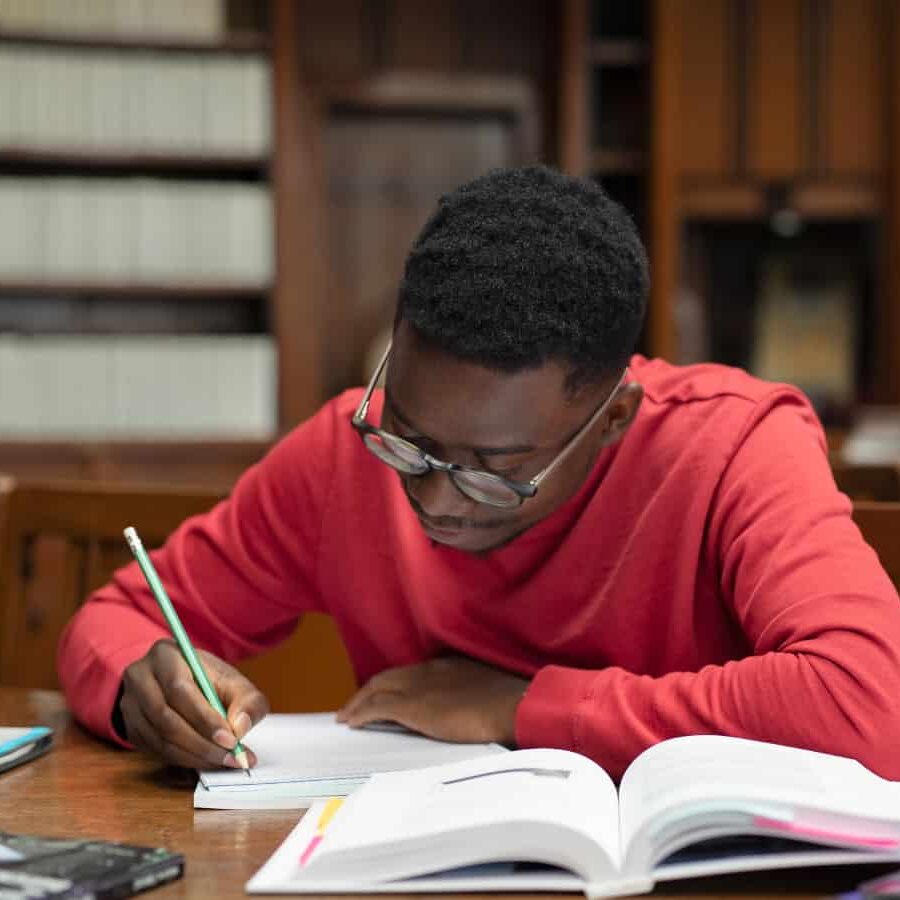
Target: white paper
{"points": [[313, 746]]}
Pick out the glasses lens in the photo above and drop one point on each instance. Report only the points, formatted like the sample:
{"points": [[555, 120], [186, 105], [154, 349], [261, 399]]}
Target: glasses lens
{"points": [[397, 453], [485, 488]]}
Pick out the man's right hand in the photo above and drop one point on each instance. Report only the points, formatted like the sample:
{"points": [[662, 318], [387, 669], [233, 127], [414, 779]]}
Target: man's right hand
{"points": [[166, 714]]}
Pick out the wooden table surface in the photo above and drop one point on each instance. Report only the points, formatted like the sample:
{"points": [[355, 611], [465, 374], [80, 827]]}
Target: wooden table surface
{"points": [[86, 788]]}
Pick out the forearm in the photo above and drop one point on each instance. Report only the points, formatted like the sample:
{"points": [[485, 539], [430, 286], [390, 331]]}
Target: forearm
{"points": [[811, 699], [100, 642]]}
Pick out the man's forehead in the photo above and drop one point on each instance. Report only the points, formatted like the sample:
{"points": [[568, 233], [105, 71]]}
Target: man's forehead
{"points": [[458, 402]]}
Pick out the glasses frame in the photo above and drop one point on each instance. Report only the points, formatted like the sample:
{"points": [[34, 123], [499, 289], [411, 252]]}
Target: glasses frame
{"points": [[524, 490]]}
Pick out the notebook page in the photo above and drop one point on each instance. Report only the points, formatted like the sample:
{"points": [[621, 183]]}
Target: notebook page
{"points": [[713, 771], [311, 746]]}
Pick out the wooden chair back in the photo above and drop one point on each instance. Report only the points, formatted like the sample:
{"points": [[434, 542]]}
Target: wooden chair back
{"points": [[880, 526], [59, 541], [868, 482]]}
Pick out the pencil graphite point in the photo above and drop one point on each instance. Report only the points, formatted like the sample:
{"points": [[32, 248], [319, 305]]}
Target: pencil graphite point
{"points": [[242, 760]]}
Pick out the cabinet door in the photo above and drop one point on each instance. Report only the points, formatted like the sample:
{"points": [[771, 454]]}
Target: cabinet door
{"points": [[777, 114], [851, 90], [778, 90], [708, 88]]}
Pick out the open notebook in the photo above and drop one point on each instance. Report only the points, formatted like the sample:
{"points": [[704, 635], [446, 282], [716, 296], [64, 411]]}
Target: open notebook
{"points": [[304, 757]]}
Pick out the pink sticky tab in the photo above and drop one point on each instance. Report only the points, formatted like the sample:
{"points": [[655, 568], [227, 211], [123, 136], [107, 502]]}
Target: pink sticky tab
{"points": [[808, 831], [310, 847]]}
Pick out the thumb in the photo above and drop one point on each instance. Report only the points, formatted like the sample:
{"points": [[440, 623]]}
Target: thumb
{"points": [[244, 703]]}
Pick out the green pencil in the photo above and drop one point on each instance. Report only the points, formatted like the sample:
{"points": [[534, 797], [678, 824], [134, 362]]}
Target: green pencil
{"points": [[181, 637]]}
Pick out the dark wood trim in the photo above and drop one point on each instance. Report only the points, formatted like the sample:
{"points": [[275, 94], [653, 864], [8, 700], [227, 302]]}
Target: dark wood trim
{"points": [[75, 161], [887, 383], [125, 291], [747, 201], [298, 189], [234, 43], [664, 229], [740, 27], [573, 90]]}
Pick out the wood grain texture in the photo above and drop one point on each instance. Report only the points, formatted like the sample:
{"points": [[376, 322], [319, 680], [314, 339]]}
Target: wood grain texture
{"points": [[86, 788]]}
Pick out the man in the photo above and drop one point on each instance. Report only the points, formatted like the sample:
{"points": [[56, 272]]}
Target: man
{"points": [[529, 537]]}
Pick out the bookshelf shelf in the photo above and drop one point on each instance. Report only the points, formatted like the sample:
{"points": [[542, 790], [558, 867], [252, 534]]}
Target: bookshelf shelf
{"points": [[248, 42], [618, 52], [33, 160], [210, 291]]}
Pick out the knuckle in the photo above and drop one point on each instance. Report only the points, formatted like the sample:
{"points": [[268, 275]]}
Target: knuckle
{"points": [[178, 685]]}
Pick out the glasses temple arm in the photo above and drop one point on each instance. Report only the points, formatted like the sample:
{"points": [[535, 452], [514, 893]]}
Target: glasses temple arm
{"points": [[363, 408]]}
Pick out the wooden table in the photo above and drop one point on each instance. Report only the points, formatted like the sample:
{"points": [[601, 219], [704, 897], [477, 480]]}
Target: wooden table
{"points": [[85, 787]]}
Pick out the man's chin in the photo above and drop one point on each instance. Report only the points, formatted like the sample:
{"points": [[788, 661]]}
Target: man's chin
{"points": [[471, 540]]}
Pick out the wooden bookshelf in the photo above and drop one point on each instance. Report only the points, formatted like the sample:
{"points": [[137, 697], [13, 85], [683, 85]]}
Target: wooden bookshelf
{"points": [[234, 43], [74, 161]]}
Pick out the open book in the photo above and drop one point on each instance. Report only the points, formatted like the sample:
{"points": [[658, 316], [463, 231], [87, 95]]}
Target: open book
{"points": [[553, 820], [304, 757]]}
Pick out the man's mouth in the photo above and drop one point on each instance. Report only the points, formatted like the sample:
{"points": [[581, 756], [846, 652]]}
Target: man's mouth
{"points": [[441, 532]]}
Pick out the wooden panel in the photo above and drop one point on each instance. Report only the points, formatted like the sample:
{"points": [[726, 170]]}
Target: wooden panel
{"points": [[775, 103], [707, 82], [852, 89], [385, 175], [337, 40], [886, 383], [572, 148], [424, 35], [299, 221], [664, 226], [509, 37], [880, 526]]}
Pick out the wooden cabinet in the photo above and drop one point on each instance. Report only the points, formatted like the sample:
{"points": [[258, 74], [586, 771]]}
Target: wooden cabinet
{"points": [[780, 90], [763, 118]]}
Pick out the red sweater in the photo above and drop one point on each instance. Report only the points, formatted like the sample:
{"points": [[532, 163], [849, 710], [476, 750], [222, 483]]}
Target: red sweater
{"points": [[707, 577]]}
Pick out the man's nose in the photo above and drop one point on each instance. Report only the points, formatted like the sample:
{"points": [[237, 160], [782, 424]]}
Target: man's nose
{"points": [[437, 496]]}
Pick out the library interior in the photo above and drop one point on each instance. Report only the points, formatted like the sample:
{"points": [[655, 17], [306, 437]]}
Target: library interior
{"points": [[206, 207]]}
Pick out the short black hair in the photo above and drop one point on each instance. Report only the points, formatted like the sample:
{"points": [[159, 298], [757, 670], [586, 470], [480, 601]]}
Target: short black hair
{"points": [[523, 266]]}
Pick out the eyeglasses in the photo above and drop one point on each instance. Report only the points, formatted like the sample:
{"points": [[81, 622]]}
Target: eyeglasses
{"points": [[476, 484]]}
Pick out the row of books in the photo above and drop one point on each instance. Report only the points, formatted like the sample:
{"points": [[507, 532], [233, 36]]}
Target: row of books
{"points": [[101, 100], [138, 387], [198, 19], [135, 230]]}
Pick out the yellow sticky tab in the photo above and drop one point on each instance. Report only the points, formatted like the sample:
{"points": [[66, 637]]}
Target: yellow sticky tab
{"points": [[331, 807]]}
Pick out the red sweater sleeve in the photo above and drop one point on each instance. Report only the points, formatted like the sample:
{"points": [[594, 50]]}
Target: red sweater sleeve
{"points": [[817, 609], [240, 576]]}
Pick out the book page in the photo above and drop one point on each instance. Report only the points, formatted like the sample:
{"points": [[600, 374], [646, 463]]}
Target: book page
{"points": [[312, 746], [546, 806], [741, 781]]}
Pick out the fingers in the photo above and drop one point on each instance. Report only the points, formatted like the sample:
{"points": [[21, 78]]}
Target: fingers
{"points": [[372, 704], [164, 709], [145, 737], [245, 703]]}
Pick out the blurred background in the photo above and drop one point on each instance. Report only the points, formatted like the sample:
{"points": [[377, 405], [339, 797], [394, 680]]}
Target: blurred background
{"points": [[205, 204]]}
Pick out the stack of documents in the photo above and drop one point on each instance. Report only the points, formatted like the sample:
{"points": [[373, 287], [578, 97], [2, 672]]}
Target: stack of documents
{"points": [[307, 757]]}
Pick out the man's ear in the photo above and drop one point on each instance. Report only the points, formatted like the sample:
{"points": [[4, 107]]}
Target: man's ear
{"points": [[621, 413]]}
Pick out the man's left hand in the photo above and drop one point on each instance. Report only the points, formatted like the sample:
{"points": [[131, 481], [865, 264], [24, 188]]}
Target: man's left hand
{"points": [[451, 698]]}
